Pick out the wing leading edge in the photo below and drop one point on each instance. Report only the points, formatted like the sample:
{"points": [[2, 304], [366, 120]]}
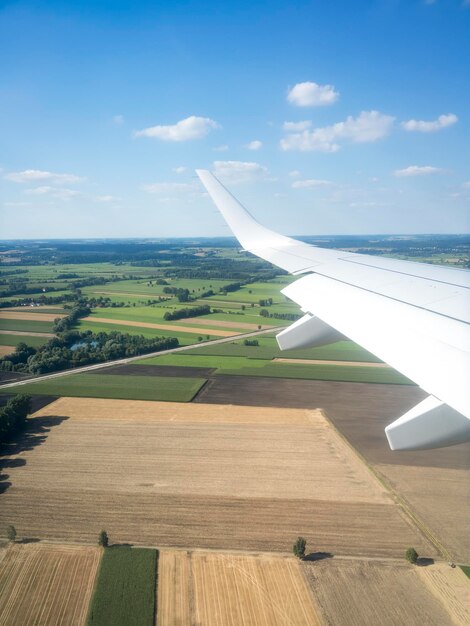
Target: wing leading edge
{"points": [[415, 317]]}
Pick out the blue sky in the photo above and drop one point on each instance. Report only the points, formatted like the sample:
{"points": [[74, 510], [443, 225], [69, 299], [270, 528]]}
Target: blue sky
{"points": [[322, 117]]}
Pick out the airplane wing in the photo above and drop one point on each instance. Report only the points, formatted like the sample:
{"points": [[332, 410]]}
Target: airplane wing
{"points": [[413, 316]]}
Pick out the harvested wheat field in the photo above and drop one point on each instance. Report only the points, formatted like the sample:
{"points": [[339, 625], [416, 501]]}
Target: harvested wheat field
{"points": [[205, 476], [228, 590], [451, 587], [357, 592], [26, 315], [4, 350], [441, 497], [46, 584], [174, 327]]}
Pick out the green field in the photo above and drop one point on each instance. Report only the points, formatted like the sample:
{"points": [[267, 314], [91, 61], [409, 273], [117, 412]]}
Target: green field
{"points": [[245, 366], [161, 388], [125, 589], [29, 326], [465, 569], [30, 340], [268, 349]]}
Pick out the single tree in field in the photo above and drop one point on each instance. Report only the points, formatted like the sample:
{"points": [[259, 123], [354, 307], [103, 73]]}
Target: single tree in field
{"points": [[411, 555], [299, 547], [11, 533], [103, 539]]}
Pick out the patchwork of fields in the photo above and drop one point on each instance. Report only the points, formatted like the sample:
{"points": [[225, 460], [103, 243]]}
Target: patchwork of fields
{"points": [[198, 476]]}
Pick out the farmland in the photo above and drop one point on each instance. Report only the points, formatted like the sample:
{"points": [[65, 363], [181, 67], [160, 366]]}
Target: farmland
{"points": [[353, 593], [103, 386], [226, 589], [167, 479], [46, 584], [125, 588]]}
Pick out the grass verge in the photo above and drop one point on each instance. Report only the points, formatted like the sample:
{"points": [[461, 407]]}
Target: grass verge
{"points": [[125, 588]]}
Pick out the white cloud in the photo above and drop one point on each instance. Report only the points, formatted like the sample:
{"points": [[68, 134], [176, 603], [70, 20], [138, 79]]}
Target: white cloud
{"points": [[240, 171], [428, 127], [255, 145], [310, 94], [222, 148], [60, 193], [296, 126], [417, 170], [367, 127], [192, 127], [167, 187], [466, 185], [16, 204], [32, 176], [106, 198], [309, 183], [180, 169], [294, 174], [118, 120]]}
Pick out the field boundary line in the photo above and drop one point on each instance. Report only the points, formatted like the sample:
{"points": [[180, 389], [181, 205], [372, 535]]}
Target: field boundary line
{"points": [[396, 497]]}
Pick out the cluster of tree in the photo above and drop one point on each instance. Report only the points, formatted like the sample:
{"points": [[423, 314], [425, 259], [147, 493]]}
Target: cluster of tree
{"points": [[105, 302], [280, 316], [13, 417], [266, 302], [79, 309], [75, 349], [183, 295], [207, 294], [251, 342], [231, 287], [179, 314]]}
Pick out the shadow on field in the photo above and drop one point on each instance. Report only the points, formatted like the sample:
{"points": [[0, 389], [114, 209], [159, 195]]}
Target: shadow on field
{"points": [[424, 562], [28, 540], [318, 556], [35, 434]]}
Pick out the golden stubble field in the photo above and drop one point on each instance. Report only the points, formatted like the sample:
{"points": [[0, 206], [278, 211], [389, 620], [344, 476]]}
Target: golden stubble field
{"points": [[232, 590], [46, 584], [198, 476], [354, 592]]}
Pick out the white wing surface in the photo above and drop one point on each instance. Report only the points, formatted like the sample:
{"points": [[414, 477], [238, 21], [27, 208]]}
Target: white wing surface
{"points": [[413, 316]]}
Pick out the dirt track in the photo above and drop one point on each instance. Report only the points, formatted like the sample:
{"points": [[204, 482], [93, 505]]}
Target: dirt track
{"points": [[197, 476], [46, 584]]}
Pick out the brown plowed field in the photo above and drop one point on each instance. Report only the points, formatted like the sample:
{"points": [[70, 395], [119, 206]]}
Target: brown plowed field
{"points": [[26, 315], [173, 327], [4, 350], [46, 584], [231, 590], [198, 476], [356, 593]]}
